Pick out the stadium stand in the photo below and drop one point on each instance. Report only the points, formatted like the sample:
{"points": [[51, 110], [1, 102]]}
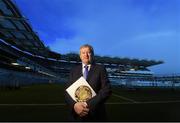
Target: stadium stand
{"points": [[19, 46], [23, 56]]}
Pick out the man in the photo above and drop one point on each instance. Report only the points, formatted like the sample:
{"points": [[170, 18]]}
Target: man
{"points": [[94, 108]]}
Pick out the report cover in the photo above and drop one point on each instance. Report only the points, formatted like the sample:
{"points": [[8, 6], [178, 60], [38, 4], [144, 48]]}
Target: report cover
{"points": [[80, 90]]}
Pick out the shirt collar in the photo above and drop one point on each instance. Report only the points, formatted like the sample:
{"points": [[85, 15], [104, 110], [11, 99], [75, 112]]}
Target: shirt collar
{"points": [[89, 65]]}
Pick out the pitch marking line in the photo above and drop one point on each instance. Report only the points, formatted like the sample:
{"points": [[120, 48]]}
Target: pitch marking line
{"points": [[168, 101], [109, 103], [119, 103], [33, 104], [59, 104], [148, 102], [125, 98]]}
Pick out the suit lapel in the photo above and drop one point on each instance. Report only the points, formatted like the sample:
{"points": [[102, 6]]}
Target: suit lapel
{"points": [[91, 71]]}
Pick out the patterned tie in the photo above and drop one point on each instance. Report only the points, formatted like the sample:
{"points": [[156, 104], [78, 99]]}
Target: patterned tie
{"points": [[86, 72]]}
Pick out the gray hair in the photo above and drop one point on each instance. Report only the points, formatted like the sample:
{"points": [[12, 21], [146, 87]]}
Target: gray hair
{"points": [[89, 46]]}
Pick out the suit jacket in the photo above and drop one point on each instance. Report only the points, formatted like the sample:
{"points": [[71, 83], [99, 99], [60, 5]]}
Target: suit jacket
{"points": [[98, 80]]}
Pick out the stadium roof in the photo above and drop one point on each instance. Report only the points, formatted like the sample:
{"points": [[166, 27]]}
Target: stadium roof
{"points": [[16, 30], [114, 61]]}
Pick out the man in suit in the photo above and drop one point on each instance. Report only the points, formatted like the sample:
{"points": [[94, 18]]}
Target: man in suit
{"points": [[94, 108]]}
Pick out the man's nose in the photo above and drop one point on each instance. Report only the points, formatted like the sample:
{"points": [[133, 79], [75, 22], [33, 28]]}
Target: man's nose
{"points": [[86, 54]]}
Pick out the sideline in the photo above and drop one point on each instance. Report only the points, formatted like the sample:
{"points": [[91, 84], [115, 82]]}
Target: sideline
{"points": [[108, 103], [33, 104], [125, 98]]}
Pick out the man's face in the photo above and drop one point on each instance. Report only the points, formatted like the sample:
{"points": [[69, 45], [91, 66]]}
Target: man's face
{"points": [[85, 55]]}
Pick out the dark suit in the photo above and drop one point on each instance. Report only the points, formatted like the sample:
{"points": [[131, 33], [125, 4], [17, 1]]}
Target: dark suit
{"points": [[98, 80]]}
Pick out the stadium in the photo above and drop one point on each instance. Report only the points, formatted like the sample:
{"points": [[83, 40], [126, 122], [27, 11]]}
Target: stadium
{"points": [[32, 79]]}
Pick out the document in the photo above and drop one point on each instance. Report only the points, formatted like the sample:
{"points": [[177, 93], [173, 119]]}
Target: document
{"points": [[80, 90]]}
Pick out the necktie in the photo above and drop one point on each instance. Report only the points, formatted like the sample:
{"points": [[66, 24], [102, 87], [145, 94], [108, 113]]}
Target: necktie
{"points": [[86, 72]]}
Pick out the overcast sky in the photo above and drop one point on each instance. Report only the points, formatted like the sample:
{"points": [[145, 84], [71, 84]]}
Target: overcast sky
{"points": [[143, 29]]}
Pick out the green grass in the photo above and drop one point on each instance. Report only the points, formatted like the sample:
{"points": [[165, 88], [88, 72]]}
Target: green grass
{"points": [[149, 94], [126, 110], [35, 94], [46, 93]]}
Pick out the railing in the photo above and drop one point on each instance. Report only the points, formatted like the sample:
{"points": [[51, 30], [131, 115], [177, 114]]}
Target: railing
{"points": [[161, 81]]}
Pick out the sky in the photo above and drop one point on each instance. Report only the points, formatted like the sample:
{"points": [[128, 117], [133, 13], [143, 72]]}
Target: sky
{"points": [[142, 29]]}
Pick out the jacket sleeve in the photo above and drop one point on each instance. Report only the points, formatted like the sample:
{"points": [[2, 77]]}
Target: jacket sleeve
{"points": [[103, 93], [69, 101]]}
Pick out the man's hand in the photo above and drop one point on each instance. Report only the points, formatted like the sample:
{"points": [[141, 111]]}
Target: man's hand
{"points": [[81, 108]]}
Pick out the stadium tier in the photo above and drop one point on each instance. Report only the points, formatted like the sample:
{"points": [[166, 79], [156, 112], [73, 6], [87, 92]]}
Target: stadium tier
{"points": [[23, 55]]}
